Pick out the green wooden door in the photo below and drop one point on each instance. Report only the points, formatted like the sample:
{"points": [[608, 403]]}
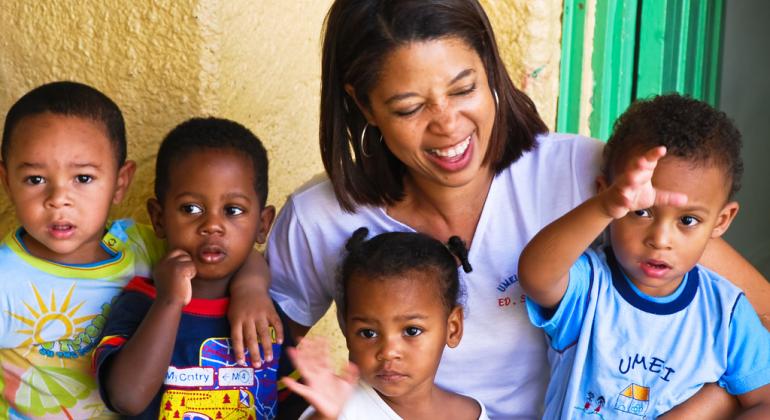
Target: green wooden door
{"points": [[640, 48]]}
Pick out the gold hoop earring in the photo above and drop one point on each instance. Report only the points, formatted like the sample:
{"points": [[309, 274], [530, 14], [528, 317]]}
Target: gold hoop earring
{"points": [[497, 100]]}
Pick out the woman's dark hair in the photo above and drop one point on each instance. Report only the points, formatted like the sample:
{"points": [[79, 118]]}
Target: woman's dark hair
{"points": [[359, 34], [396, 253]]}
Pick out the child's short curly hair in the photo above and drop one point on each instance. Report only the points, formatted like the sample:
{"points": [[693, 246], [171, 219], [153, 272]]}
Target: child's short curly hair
{"points": [[690, 129], [396, 253], [210, 133], [71, 99]]}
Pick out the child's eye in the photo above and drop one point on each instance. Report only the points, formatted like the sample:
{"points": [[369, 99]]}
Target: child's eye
{"points": [[367, 333], [233, 211], [642, 213], [34, 180], [689, 221], [412, 331], [191, 209], [84, 179]]}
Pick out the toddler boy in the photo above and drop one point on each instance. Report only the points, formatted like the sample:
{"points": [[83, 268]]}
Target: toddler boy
{"points": [[640, 327], [166, 351]]}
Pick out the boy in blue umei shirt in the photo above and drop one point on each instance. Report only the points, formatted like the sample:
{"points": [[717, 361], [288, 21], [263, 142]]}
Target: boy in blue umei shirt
{"points": [[640, 327]]}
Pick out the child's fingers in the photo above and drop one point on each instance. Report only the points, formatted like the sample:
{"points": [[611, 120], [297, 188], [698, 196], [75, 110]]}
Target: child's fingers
{"points": [[236, 341], [350, 373], [251, 340], [655, 154], [669, 198], [275, 321], [264, 337]]}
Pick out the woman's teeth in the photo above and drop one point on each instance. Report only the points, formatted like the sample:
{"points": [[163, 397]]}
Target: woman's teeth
{"points": [[454, 151]]}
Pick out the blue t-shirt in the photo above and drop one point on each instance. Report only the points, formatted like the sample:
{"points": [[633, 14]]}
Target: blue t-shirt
{"points": [[618, 353], [203, 378]]}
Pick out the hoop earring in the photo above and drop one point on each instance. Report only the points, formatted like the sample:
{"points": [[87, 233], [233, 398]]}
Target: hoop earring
{"points": [[497, 100], [363, 139]]}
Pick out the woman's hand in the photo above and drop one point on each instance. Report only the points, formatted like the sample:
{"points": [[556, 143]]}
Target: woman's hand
{"points": [[326, 391]]}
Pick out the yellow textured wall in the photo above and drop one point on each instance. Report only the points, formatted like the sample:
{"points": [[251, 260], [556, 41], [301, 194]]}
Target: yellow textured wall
{"points": [[254, 61]]}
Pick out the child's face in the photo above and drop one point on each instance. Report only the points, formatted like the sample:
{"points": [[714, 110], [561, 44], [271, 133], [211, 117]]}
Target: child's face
{"points": [[658, 246], [396, 330], [62, 177], [211, 210]]}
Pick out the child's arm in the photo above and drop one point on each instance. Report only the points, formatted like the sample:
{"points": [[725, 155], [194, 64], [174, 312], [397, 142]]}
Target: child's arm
{"points": [[251, 312], [324, 390], [711, 402], [756, 403], [545, 262], [136, 373]]}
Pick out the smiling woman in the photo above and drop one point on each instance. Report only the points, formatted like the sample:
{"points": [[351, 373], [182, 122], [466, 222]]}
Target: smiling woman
{"points": [[423, 130]]}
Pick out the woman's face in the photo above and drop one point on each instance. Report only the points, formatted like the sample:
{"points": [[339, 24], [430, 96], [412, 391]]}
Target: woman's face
{"points": [[433, 105]]}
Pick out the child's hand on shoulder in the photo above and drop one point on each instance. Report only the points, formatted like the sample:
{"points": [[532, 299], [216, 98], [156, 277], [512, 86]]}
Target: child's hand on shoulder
{"points": [[326, 391], [173, 276], [632, 188]]}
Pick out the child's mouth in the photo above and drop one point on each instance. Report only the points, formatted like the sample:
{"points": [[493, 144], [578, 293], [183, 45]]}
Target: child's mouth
{"points": [[212, 254], [655, 268], [61, 230]]}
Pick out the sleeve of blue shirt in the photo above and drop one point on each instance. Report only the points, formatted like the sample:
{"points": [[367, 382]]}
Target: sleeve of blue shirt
{"points": [[563, 324], [748, 357]]}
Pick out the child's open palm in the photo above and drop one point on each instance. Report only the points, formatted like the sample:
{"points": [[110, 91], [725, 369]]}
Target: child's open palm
{"points": [[326, 391], [633, 189]]}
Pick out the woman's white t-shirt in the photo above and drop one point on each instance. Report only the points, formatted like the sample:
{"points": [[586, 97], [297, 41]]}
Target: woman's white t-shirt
{"points": [[502, 358]]}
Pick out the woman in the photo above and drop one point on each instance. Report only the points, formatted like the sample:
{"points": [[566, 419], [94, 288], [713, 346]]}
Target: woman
{"points": [[422, 129]]}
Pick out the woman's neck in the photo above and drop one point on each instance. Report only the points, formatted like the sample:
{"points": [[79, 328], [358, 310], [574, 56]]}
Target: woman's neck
{"points": [[441, 211]]}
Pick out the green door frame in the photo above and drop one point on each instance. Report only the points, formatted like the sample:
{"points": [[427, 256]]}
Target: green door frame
{"points": [[640, 48]]}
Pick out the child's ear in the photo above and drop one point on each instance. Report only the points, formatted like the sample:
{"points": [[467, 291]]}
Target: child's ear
{"points": [[454, 331], [266, 218], [155, 210], [125, 175], [601, 183], [4, 176], [364, 110], [724, 218]]}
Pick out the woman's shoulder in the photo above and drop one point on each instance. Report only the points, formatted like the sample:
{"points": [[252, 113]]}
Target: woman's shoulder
{"points": [[556, 142]]}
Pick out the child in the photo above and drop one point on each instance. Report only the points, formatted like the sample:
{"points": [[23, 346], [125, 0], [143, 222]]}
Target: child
{"points": [[399, 294], [63, 166], [640, 327], [165, 353]]}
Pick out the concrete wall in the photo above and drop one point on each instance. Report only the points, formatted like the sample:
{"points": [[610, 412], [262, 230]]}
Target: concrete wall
{"points": [[254, 61]]}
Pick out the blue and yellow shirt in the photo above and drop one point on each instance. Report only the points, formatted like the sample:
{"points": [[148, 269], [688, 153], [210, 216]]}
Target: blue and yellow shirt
{"points": [[52, 317]]}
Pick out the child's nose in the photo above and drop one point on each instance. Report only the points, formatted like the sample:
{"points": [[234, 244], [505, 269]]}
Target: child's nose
{"points": [[659, 236], [390, 350], [57, 197], [212, 224]]}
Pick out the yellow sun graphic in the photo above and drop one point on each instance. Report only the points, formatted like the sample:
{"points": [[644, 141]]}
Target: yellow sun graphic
{"points": [[45, 318]]}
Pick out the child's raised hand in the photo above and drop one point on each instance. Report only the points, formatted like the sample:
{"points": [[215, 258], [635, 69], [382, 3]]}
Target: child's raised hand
{"points": [[173, 275], [326, 391], [633, 189]]}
